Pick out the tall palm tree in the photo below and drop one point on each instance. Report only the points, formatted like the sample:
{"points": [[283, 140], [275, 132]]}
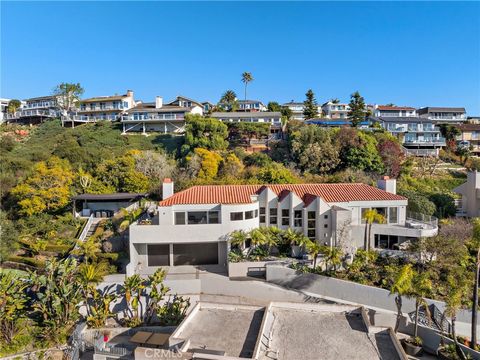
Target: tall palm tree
{"points": [[371, 216], [313, 249], [246, 78], [402, 286]]}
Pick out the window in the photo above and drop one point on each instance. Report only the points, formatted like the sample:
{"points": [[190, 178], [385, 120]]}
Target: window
{"points": [[273, 216], [249, 214], [297, 218], [256, 213], [285, 217], [213, 217], [393, 215], [325, 216], [325, 226], [197, 217], [158, 255], [311, 224], [262, 215], [179, 218], [236, 216]]}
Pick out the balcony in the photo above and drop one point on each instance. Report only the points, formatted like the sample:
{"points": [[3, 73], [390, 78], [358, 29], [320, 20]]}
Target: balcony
{"points": [[102, 108], [153, 117], [30, 113]]}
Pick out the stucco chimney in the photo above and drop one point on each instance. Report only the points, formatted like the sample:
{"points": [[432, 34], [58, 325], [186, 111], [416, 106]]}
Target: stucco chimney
{"points": [[387, 184], [167, 188], [130, 93], [158, 102]]}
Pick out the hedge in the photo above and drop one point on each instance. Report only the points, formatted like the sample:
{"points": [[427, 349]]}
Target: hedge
{"points": [[109, 256], [59, 248]]}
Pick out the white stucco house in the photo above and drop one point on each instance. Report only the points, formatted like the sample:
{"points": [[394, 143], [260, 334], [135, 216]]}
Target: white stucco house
{"points": [[192, 227], [470, 191]]}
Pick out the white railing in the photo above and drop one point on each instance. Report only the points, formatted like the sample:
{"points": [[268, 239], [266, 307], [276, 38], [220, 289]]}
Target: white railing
{"points": [[100, 108], [84, 233], [153, 117], [27, 113], [420, 221], [84, 118]]}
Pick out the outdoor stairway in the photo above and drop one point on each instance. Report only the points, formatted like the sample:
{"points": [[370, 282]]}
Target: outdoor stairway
{"points": [[93, 226]]}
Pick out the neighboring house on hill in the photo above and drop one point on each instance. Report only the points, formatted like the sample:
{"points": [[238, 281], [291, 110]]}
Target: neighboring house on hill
{"points": [[297, 109], [251, 105], [192, 227], [332, 110], [330, 123], [35, 110], [274, 118], [3, 109], [419, 136], [470, 203], [207, 107], [101, 108], [470, 137], [394, 111], [443, 114], [159, 117]]}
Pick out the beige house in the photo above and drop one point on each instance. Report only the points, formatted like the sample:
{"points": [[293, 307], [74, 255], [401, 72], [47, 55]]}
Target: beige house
{"points": [[470, 136], [470, 204]]}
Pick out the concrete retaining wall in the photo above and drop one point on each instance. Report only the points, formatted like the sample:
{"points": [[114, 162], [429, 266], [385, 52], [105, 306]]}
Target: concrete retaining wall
{"points": [[348, 291], [247, 268]]}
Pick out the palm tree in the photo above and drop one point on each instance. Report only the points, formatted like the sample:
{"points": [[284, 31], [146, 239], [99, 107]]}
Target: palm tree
{"points": [[422, 287], [13, 106], [371, 216], [313, 249], [332, 256], [402, 286], [238, 238], [246, 78], [229, 98]]}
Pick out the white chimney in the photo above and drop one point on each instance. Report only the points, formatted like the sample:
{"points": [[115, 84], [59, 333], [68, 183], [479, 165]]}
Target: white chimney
{"points": [[387, 184], [167, 188], [130, 93], [158, 102]]}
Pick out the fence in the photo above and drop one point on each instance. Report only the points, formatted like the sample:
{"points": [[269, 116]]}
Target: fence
{"points": [[84, 233]]}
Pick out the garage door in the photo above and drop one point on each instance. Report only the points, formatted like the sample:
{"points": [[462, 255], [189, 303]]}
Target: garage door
{"points": [[195, 254]]}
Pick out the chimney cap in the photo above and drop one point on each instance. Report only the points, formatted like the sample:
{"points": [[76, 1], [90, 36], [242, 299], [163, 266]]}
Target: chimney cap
{"points": [[386, 178], [167, 180]]}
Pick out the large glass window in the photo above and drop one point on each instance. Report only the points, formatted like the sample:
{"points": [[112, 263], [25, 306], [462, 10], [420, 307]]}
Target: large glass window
{"points": [[213, 217], [236, 216], [195, 254], [285, 217], [197, 217], [158, 255], [311, 224], [297, 218], [393, 215], [248, 214], [273, 216], [262, 215], [179, 218]]}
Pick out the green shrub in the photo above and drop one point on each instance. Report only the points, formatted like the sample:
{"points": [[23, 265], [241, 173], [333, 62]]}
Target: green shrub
{"points": [[109, 256], [61, 249], [27, 261]]}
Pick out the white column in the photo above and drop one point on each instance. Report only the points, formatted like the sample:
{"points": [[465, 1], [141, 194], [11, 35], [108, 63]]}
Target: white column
{"points": [[170, 255]]}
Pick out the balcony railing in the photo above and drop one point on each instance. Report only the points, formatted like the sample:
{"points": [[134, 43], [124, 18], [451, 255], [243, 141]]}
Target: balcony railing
{"points": [[86, 119], [420, 221], [153, 117], [30, 113], [100, 108]]}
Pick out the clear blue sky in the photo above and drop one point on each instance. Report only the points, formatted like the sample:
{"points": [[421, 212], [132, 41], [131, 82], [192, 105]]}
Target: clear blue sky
{"points": [[414, 53]]}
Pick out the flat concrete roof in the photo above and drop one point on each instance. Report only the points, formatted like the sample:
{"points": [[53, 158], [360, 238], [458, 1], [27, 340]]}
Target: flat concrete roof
{"points": [[222, 327], [303, 332]]}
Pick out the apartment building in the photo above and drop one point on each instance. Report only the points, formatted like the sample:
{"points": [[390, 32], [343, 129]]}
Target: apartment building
{"points": [[469, 205], [192, 227], [469, 137], [159, 117], [334, 110], [443, 114], [297, 109], [394, 111], [419, 136], [35, 110]]}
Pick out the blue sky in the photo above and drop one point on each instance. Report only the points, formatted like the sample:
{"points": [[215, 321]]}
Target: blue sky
{"points": [[410, 53]]}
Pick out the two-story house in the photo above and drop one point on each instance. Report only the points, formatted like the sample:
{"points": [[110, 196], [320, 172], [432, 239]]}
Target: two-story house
{"points": [[469, 137], [394, 111], [419, 136], [192, 227], [443, 114], [251, 105], [160, 117], [35, 110], [297, 109], [274, 118], [334, 110]]}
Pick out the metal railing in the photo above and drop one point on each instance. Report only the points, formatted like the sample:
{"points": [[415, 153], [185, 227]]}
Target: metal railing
{"points": [[84, 233], [27, 113], [416, 220], [153, 117]]}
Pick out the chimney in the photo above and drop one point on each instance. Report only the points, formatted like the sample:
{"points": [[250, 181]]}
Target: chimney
{"points": [[130, 93], [158, 102], [167, 188], [387, 184]]}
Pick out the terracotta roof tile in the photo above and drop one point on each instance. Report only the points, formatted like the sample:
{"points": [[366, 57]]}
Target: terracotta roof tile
{"points": [[241, 194]]}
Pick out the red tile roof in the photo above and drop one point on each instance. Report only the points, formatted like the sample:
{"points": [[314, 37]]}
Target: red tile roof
{"points": [[241, 194], [384, 107]]}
